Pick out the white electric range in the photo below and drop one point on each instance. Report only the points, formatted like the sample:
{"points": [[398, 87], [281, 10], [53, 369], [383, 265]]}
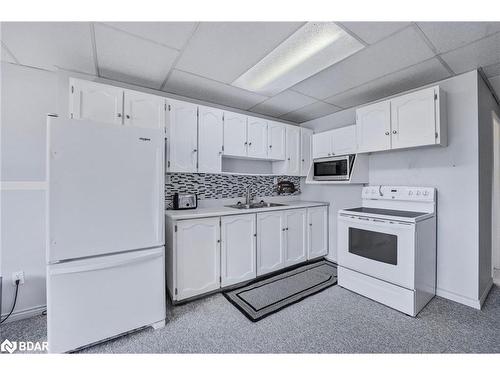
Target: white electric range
{"points": [[387, 247]]}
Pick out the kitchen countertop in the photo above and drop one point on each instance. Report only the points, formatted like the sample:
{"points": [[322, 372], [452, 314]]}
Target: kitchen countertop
{"points": [[224, 211]]}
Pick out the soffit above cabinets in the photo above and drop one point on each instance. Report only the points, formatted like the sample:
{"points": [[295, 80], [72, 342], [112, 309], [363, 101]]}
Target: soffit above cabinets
{"points": [[200, 60]]}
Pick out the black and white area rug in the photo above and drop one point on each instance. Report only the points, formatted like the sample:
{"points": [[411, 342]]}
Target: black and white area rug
{"points": [[265, 297]]}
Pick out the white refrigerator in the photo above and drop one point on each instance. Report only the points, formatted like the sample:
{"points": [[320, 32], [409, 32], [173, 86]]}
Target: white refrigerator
{"points": [[105, 234]]}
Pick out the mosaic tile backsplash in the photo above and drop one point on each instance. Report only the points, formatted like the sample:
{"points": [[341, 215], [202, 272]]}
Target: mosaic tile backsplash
{"points": [[218, 186]]}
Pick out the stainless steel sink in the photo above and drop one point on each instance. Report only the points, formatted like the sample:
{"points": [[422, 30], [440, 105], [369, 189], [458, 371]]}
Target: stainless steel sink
{"points": [[262, 204]]}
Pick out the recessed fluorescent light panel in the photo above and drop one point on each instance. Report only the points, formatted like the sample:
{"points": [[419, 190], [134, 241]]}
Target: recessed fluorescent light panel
{"points": [[309, 50]]}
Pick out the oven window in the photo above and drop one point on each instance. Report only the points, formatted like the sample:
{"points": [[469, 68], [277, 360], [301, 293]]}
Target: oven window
{"points": [[378, 246], [331, 168]]}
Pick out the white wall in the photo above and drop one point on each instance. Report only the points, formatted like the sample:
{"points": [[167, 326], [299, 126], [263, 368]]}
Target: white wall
{"points": [[27, 95], [453, 170]]}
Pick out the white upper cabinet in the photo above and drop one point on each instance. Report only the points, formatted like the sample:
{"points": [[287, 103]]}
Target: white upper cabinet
{"points": [[322, 144], [411, 120], [317, 234], [293, 150], [305, 150], [344, 140], [276, 140], [210, 137], [270, 242], [182, 136], [257, 138], [96, 102], [373, 124], [144, 110], [414, 120], [197, 257], [295, 236], [238, 249], [235, 134]]}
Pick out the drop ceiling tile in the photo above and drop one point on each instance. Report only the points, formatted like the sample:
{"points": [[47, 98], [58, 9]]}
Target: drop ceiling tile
{"points": [[50, 45], [282, 103], [372, 32], [192, 86], [224, 50], [492, 70], [310, 112], [126, 58], [171, 34], [6, 55], [400, 50], [418, 75], [484, 52], [446, 36], [495, 82]]}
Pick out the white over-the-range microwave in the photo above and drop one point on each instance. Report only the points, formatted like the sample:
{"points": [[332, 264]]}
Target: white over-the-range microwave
{"points": [[335, 168]]}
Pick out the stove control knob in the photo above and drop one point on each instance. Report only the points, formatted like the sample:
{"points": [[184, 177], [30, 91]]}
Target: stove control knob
{"points": [[418, 192], [410, 192], [426, 193]]}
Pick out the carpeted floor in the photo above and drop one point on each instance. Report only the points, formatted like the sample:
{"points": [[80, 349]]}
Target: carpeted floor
{"points": [[332, 321]]}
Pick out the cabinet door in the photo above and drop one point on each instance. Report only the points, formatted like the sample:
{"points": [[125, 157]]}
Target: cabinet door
{"points": [[317, 234], [238, 249], [373, 127], [257, 138], [96, 102], [293, 150], [276, 141], [305, 151], [270, 242], [322, 146], [197, 257], [144, 110], [210, 134], [235, 134], [344, 140], [296, 237], [182, 136], [414, 119]]}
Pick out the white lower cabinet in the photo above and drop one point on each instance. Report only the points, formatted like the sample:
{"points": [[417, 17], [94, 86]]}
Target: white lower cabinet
{"points": [[295, 237], [204, 255], [198, 257], [270, 242], [317, 232], [238, 248]]}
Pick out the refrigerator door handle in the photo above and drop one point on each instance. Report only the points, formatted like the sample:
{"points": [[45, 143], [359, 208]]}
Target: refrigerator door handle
{"points": [[93, 266]]}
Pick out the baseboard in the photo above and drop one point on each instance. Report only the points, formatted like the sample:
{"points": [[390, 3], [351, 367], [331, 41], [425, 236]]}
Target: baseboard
{"points": [[458, 298], [25, 314], [485, 292]]}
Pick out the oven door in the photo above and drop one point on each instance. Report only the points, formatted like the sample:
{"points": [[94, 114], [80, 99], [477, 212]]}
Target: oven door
{"points": [[380, 248]]}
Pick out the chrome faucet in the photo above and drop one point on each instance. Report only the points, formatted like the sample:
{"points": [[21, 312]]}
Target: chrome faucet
{"points": [[249, 194]]}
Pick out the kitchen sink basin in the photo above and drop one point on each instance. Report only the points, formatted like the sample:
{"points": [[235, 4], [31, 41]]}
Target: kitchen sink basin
{"points": [[261, 204]]}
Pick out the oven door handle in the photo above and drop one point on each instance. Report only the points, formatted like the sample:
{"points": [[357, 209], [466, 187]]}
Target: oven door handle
{"points": [[377, 222]]}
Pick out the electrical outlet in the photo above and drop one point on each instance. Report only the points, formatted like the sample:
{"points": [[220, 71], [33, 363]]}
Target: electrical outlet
{"points": [[19, 275]]}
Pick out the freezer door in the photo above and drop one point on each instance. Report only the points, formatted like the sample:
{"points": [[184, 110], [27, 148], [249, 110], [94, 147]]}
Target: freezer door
{"points": [[106, 188], [97, 298]]}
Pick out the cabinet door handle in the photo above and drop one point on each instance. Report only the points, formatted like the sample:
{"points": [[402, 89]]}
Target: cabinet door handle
{"points": [[127, 116], [250, 144], [394, 132], [387, 133]]}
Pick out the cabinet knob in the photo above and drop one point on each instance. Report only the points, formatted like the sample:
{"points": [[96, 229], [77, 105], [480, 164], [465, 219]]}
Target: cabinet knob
{"points": [[195, 150], [288, 159], [310, 224], [387, 133], [246, 143], [250, 144], [303, 160], [119, 114], [270, 146], [394, 132], [283, 229], [127, 116]]}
